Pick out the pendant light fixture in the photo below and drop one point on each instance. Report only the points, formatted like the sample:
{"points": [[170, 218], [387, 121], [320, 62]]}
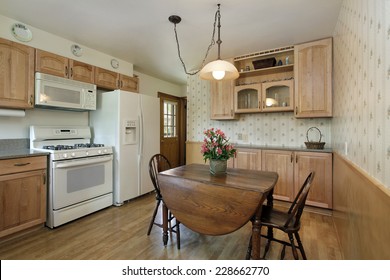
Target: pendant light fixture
{"points": [[215, 70]]}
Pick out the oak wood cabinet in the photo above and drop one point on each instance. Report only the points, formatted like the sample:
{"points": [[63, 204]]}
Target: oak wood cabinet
{"points": [[112, 80], [320, 193], [16, 75], [247, 159], [293, 167], [22, 193], [281, 162], [313, 79], [222, 100], [64, 67]]}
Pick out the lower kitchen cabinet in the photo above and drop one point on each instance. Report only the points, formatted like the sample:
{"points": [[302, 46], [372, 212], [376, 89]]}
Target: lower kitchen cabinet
{"points": [[320, 193], [22, 193], [248, 159], [281, 162], [293, 167]]}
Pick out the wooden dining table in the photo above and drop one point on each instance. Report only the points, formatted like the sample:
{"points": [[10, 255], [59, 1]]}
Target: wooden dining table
{"points": [[216, 205]]}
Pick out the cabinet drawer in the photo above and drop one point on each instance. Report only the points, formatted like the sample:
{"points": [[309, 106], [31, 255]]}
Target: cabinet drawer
{"points": [[16, 165]]}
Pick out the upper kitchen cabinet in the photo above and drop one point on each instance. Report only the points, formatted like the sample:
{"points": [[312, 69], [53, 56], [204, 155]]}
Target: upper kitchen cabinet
{"points": [[313, 79], [16, 75], [269, 73], [265, 66], [112, 80], [129, 83], [106, 79], [222, 100], [57, 65]]}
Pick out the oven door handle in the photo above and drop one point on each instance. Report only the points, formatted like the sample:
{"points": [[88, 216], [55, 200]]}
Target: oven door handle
{"points": [[83, 162]]}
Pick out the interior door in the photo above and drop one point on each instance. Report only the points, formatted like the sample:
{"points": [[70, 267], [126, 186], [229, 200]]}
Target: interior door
{"points": [[171, 135]]}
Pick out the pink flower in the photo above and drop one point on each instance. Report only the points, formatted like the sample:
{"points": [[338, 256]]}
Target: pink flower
{"points": [[219, 151]]}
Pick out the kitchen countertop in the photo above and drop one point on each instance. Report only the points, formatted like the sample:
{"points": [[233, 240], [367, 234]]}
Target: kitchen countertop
{"points": [[19, 153], [282, 148]]}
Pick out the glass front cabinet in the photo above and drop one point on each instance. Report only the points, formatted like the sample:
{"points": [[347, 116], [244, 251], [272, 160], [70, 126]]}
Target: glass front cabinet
{"points": [[248, 98], [277, 96]]}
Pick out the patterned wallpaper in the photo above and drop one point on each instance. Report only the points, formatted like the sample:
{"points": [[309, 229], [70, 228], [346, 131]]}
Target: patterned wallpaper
{"points": [[266, 129], [362, 86]]}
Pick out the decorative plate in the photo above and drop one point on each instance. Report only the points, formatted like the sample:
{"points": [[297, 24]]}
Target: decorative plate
{"points": [[114, 63], [76, 50], [21, 32]]}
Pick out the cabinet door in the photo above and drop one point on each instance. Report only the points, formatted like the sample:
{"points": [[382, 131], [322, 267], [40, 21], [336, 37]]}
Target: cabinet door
{"points": [[22, 201], [281, 162], [81, 71], [320, 193], [50, 63], [247, 98], [248, 159], [16, 75], [128, 83], [222, 100], [313, 79], [278, 96], [106, 79]]}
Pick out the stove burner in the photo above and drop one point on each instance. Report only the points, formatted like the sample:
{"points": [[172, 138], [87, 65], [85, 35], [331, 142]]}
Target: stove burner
{"points": [[71, 147]]}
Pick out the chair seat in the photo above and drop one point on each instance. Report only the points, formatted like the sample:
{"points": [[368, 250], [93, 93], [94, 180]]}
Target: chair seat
{"points": [[277, 219]]}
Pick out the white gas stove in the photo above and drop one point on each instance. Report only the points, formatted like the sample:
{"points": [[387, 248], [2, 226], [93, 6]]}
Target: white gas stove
{"points": [[80, 172]]}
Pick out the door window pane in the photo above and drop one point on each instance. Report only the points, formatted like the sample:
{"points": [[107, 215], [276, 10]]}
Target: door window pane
{"points": [[170, 119]]}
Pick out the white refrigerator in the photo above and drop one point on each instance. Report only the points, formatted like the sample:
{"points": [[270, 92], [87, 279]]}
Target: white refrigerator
{"points": [[130, 123]]}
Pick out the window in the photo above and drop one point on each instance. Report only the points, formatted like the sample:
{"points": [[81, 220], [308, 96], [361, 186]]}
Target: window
{"points": [[170, 119]]}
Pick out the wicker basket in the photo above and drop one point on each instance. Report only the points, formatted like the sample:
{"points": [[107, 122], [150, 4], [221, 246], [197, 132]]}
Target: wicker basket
{"points": [[313, 144]]}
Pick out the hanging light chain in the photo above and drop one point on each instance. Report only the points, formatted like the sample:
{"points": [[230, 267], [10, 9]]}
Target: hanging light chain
{"points": [[212, 43]]}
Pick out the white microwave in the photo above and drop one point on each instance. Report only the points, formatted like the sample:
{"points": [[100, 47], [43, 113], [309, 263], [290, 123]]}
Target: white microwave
{"points": [[61, 93]]}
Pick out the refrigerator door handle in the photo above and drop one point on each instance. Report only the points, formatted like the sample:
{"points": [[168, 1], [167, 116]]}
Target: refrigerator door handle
{"points": [[141, 134]]}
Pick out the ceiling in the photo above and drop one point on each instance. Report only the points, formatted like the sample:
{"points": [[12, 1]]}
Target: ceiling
{"points": [[139, 31]]}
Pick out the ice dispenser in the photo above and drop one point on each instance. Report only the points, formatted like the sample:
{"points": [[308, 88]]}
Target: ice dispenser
{"points": [[130, 135]]}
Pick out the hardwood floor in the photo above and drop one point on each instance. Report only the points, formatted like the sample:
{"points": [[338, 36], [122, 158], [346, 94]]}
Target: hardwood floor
{"points": [[119, 233]]}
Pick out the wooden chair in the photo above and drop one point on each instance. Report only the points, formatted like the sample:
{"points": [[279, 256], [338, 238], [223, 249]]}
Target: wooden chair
{"points": [[159, 163], [288, 222]]}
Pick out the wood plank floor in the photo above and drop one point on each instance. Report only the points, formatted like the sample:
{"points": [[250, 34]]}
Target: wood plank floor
{"points": [[119, 233]]}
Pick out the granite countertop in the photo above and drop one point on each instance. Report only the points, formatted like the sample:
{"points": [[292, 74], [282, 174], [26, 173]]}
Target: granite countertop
{"points": [[19, 153], [283, 148]]}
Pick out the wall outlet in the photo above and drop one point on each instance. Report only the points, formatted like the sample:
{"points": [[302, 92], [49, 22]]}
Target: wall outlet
{"points": [[245, 137], [239, 136]]}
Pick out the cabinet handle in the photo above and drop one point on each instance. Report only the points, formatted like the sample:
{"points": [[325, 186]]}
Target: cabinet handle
{"points": [[71, 72], [31, 99], [21, 164], [292, 157], [66, 71], [44, 178], [296, 159], [296, 110], [231, 112]]}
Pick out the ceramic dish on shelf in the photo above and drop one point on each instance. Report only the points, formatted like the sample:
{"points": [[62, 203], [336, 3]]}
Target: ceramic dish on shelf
{"points": [[21, 32]]}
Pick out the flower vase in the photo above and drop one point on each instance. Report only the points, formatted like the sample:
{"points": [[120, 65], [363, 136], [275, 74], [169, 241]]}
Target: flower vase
{"points": [[218, 167]]}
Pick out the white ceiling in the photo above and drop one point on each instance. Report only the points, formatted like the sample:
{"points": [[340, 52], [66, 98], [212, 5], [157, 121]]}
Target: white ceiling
{"points": [[139, 32]]}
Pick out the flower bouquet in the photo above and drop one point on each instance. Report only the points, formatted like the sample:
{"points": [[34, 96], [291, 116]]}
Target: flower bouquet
{"points": [[217, 150]]}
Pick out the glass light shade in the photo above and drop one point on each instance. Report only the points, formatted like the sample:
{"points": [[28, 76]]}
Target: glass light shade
{"points": [[217, 67]]}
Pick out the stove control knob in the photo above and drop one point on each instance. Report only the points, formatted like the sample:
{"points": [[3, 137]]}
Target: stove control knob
{"points": [[105, 151], [99, 152], [86, 153], [73, 154], [65, 155]]}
